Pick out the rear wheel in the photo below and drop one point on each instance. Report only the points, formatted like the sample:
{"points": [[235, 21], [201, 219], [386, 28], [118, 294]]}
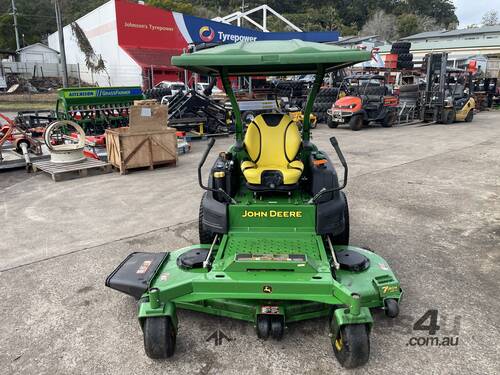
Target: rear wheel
{"points": [[343, 237], [352, 345], [331, 124], [356, 122], [159, 337], [389, 119], [206, 236]]}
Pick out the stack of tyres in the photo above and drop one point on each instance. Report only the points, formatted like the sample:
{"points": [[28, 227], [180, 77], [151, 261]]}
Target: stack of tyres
{"points": [[405, 58], [324, 101], [291, 89]]}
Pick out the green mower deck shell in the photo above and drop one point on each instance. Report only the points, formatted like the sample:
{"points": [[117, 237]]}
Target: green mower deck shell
{"points": [[239, 294]]}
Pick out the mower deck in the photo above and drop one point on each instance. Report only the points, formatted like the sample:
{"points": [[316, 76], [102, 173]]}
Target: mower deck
{"points": [[241, 294]]}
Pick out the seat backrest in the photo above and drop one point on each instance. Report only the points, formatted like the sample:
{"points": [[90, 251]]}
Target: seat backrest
{"points": [[272, 139]]}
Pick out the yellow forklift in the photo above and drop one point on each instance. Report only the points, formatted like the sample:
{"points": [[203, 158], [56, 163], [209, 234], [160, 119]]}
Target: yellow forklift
{"points": [[448, 92]]}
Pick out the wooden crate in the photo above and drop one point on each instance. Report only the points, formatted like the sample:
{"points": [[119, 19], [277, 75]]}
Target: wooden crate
{"points": [[137, 149]]}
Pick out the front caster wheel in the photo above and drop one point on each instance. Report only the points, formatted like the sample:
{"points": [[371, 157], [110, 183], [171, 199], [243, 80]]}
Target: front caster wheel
{"points": [[352, 345], [159, 337], [263, 326], [391, 308]]}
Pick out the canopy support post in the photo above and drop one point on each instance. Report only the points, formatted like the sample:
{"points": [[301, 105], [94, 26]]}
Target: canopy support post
{"points": [[318, 80], [226, 83]]}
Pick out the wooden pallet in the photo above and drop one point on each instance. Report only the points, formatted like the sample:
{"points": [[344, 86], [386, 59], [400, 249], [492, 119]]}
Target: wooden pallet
{"points": [[151, 167], [60, 172]]}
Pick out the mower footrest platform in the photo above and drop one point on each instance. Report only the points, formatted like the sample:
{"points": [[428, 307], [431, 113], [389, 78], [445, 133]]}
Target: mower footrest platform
{"points": [[133, 275]]}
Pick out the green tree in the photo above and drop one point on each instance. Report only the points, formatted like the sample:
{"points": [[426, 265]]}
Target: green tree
{"points": [[408, 25], [181, 6], [381, 24]]}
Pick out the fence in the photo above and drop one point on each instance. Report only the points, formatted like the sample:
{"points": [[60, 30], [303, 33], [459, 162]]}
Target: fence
{"points": [[115, 75], [36, 70]]}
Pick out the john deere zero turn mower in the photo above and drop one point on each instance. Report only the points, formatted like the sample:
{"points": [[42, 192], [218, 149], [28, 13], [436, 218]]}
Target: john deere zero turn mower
{"points": [[273, 224]]}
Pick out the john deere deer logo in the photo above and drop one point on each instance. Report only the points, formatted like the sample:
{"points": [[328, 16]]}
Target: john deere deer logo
{"points": [[267, 289]]}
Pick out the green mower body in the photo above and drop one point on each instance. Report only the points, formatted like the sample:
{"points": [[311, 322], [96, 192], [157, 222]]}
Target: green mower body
{"points": [[270, 254]]}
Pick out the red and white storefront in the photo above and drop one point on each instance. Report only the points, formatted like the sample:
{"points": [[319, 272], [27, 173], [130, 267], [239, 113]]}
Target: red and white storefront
{"points": [[137, 41]]}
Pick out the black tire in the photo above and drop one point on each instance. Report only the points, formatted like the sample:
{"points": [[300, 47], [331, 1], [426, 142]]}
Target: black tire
{"points": [[331, 124], [405, 57], [206, 236], [263, 327], [389, 119], [277, 327], [391, 308], [247, 117], [469, 116], [405, 64], [343, 237], [401, 45], [352, 345], [399, 51], [356, 122], [159, 337], [448, 116]]}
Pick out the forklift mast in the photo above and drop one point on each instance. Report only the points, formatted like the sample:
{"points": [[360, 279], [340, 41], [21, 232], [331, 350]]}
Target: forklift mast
{"points": [[434, 94]]}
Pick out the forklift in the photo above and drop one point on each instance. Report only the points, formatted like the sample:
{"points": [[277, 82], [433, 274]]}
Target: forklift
{"points": [[446, 98], [273, 224]]}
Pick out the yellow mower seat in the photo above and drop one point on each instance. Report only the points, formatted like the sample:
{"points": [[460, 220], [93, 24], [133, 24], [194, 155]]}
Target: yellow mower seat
{"points": [[272, 142]]}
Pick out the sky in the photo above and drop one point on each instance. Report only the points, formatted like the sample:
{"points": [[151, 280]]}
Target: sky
{"points": [[472, 11]]}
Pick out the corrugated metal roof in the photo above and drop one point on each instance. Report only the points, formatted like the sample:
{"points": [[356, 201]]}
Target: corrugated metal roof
{"points": [[425, 34], [451, 44], [356, 39], [458, 32], [37, 44]]}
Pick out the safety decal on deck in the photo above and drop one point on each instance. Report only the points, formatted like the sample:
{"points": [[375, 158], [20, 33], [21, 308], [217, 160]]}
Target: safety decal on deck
{"points": [[273, 310], [144, 267], [164, 276]]}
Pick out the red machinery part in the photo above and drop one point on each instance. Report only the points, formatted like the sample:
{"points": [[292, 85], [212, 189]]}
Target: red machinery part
{"points": [[6, 130]]}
